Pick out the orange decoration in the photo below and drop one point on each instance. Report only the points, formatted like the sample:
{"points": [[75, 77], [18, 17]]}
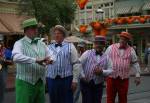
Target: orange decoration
{"points": [[103, 31], [96, 25], [96, 32], [109, 21], [83, 28], [81, 3], [130, 20], [142, 20], [99, 28], [121, 20]]}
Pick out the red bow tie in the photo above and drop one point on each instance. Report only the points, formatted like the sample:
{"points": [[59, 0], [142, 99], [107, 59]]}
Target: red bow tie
{"points": [[122, 47]]}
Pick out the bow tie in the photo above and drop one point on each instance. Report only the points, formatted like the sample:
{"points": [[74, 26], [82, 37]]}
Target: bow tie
{"points": [[99, 53], [35, 41], [56, 45], [122, 47]]}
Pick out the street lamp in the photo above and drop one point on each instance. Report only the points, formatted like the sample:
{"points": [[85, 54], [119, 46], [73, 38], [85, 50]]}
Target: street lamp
{"points": [[100, 12]]}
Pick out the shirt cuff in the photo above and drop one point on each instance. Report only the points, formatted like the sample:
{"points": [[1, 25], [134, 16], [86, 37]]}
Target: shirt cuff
{"points": [[33, 60], [137, 74], [75, 80]]}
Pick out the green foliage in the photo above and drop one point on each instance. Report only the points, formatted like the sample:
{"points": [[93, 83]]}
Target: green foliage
{"points": [[49, 12]]}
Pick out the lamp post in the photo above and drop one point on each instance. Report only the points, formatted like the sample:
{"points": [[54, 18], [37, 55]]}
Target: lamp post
{"points": [[99, 12]]}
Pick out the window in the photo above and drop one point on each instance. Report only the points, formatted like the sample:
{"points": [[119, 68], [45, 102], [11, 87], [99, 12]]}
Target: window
{"points": [[111, 4], [106, 12], [107, 4]]}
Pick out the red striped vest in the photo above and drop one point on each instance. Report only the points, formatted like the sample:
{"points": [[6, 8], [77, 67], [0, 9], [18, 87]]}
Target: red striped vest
{"points": [[121, 64]]}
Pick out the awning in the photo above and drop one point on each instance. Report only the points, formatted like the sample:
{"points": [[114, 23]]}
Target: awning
{"points": [[11, 23], [3, 28], [123, 10], [135, 9], [146, 6]]}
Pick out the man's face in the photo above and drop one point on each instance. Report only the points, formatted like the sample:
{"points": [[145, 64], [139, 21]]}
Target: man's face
{"points": [[58, 36], [31, 32], [99, 46], [123, 41]]}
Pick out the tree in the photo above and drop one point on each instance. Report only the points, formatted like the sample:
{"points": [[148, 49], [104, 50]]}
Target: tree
{"points": [[49, 12]]}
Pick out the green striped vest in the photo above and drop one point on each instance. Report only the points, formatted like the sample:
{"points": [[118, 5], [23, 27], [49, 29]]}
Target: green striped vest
{"points": [[31, 73]]}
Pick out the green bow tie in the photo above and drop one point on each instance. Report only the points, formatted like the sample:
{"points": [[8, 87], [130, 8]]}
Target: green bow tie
{"points": [[35, 40]]}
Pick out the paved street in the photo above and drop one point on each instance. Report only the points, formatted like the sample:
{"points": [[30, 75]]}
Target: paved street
{"points": [[140, 94]]}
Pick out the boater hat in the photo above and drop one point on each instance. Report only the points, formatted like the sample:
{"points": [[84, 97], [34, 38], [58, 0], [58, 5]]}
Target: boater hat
{"points": [[29, 23], [126, 35]]}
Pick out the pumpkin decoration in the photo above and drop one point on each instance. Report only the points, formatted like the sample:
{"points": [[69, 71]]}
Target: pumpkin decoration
{"points": [[114, 20], [147, 16], [142, 19], [83, 28], [99, 28], [81, 3], [130, 20], [121, 20], [108, 21], [96, 25], [103, 31]]}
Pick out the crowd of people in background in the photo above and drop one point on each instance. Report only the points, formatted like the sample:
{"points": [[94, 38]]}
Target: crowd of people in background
{"points": [[69, 71]]}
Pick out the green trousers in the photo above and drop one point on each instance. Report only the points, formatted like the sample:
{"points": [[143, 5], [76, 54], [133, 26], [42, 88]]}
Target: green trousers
{"points": [[28, 93]]}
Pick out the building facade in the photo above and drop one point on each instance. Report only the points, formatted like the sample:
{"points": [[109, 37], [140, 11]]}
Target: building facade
{"points": [[116, 9]]}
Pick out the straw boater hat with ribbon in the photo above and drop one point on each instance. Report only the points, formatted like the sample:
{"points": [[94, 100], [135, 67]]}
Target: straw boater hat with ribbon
{"points": [[61, 28], [126, 35], [100, 39], [29, 23]]}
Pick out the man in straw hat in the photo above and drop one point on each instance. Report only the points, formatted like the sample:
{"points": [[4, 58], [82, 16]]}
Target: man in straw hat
{"points": [[95, 65], [62, 75], [30, 55], [122, 56]]}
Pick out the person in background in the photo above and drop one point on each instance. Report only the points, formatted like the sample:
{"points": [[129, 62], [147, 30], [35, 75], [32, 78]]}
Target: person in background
{"points": [[62, 76], [122, 56], [31, 55], [5, 55], [81, 47], [147, 58], [96, 65]]}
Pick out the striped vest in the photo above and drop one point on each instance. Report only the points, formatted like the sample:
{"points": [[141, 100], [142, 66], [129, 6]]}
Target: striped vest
{"points": [[62, 66], [91, 63], [31, 73], [121, 64]]}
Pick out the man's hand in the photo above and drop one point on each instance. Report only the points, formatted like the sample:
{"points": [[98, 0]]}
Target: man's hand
{"points": [[44, 61], [47, 61], [137, 80], [40, 61], [74, 86], [8, 62], [84, 79], [98, 71]]}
